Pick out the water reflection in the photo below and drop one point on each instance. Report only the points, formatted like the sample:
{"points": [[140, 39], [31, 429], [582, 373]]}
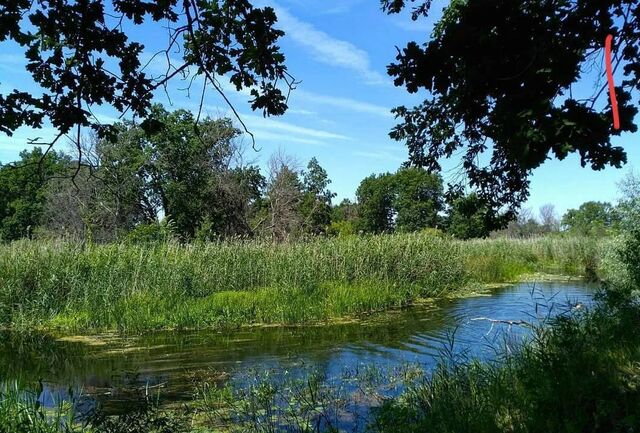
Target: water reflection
{"points": [[114, 369]]}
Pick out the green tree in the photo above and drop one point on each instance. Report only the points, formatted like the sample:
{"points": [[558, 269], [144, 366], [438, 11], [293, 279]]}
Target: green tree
{"points": [[500, 78], [187, 173], [344, 218], [407, 200], [85, 53], [470, 217], [418, 199], [375, 197], [23, 191], [591, 218], [316, 204], [629, 206]]}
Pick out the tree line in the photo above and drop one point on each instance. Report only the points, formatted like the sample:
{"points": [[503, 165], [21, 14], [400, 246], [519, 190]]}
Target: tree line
{"points": [[191, 181]]}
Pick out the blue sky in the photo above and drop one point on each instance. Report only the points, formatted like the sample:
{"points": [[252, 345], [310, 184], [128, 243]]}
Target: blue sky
{"points": [[339, 49]]}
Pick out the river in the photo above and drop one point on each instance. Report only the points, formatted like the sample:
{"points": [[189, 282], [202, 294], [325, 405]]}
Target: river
{"points": [[110, 370]]}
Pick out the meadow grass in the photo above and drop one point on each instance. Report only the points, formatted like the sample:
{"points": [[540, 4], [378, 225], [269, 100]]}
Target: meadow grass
{"points": [[76, 288]]}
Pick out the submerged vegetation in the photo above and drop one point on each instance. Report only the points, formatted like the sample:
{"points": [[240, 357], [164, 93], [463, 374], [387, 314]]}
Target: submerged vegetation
{"points": [[75, 287]]}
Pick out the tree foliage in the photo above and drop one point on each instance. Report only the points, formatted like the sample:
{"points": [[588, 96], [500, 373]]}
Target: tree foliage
{"points": [[591, 218], [316, 204], [22, 192], [469, 217], [500, 78], [407, 200], [375, 203], [83, 54]]}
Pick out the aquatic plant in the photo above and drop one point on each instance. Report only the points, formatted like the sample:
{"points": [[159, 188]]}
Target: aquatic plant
{"points": [[21, 411], [580, 373], [75, 287]]}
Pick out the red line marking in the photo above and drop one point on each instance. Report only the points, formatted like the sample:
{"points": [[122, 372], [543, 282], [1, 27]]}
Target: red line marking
{"points": [[612, 90]]}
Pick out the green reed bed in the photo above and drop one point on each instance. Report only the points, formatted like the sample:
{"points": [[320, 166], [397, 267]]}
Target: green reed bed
{"points": [[76, 287]]}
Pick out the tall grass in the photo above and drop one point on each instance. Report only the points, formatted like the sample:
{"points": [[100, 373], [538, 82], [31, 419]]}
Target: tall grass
{"points": [[581, 374], [77, 287], [21, 411]]}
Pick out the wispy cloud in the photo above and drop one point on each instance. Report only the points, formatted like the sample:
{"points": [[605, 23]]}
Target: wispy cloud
{"points": [[301, 112], [300, 95], [261, 134], [383, 155], [257, 122], [342, 103], [327, 49]]}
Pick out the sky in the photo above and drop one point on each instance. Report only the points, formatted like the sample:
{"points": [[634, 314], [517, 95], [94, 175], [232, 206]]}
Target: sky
{"points": [[340, 112]]}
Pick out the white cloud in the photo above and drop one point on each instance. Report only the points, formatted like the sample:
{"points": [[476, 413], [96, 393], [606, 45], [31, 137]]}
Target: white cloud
{"points": [[381, 155], [257, 122], [341, 102], [301, 112], [328, 49], [300, 95], [261, 134]]}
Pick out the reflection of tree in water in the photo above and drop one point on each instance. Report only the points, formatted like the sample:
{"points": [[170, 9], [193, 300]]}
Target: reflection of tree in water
{"points": [[120, 368], [113, 370]]}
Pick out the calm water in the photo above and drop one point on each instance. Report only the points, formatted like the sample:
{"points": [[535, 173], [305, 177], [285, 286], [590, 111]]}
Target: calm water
{"points": [[111, 369]]}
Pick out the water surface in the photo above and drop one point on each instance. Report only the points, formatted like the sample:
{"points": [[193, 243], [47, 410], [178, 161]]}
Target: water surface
{"points": [[112, 370]]}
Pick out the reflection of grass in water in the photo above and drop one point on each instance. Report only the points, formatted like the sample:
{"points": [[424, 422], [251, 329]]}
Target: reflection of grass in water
{"points": [[256, 401], [21, 411], [132, 288], [581, 374], [302, 401]]}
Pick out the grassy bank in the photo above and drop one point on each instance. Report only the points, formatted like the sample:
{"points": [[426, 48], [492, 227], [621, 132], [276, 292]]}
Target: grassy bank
{"points": [[78, 288], [582, 374]]}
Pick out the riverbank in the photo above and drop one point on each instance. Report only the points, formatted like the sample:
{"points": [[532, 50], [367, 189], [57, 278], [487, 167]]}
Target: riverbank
{"points": [[244, 374], [581, 374], [71, 288]]}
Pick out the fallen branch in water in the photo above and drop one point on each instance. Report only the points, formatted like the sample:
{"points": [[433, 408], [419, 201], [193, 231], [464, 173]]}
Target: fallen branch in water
{"points": [[508, 322]]}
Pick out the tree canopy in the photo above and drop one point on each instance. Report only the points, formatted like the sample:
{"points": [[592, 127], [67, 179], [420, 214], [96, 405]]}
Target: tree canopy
{"points": [[407, 200], [82, 54], [22, 197], [591, 218], [500, 79]]}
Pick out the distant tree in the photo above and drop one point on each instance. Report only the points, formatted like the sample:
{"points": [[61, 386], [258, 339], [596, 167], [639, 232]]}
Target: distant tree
{"points": [[82, 54], [284, 195], [408, 200], [316, 204], [190, 173], [183, 166], [344, 218], [375, 197], [23, 191], [500, 83], [469, 217], [418, 198], [628, 208], [238, 194], [549, 219], [591, 218], [346, 210], [524, 226], [78, 208]]}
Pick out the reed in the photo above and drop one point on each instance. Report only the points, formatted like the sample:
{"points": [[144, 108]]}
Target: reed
{"points": [[581, 373], [75, 287]]}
